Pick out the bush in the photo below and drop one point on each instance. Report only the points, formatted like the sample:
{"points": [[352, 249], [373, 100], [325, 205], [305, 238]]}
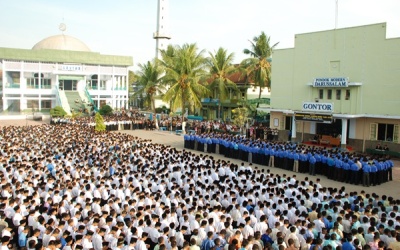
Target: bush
{"points": [[106, 110], [57, 111], [100, 126], [163, 109]]}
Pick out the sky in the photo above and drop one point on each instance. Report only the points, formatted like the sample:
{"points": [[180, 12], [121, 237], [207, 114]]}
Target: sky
{"points": [[125, 27]]}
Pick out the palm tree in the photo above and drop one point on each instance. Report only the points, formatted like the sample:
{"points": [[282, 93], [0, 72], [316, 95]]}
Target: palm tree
{"points": [[148, 84], [258, 66], [221, 67], [184, 66]]}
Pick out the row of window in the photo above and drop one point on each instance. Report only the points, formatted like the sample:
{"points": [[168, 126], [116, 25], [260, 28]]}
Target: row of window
{"points": [[94, 84], [33, 83], [329, 93], [34, 104]]}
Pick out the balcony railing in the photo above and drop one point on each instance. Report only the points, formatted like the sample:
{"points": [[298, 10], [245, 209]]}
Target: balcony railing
{"points": [[12, 86], [96, 87], [37, 87], [119, 88]]}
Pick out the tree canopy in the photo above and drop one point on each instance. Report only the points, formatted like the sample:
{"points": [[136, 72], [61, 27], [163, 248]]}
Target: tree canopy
{"points": [[184, 67], [258, 66], [149, 83], [220, 67]]}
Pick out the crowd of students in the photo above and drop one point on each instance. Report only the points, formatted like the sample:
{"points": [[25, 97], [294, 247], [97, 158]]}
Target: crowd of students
{"points": [[335, 164], [129, 120], [69, 187]]}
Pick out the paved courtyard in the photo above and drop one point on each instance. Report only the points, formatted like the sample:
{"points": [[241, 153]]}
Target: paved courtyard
{"points": [[163, 137]]}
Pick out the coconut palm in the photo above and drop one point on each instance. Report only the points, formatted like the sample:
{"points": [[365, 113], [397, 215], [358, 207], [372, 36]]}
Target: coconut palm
{"points": [[258, 66], [148, 84], [184, 66], [221, 67]]}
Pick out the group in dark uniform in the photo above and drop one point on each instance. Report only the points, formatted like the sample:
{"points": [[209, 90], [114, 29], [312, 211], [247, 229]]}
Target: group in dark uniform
{"points": [[332, 163]]}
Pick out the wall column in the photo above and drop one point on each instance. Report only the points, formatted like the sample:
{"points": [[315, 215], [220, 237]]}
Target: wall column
{"points": [[344, 133], [294, 131]]}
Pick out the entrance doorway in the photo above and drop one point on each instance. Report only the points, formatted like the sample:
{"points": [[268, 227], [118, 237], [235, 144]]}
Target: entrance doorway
{"points": [[70, 85], [332, 129]]}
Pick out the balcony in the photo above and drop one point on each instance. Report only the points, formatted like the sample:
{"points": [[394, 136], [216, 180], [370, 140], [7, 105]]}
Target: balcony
{"points": [[161, 35]]}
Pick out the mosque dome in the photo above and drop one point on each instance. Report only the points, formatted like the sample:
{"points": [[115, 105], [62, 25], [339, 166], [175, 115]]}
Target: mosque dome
{"points": [[61, 42]]}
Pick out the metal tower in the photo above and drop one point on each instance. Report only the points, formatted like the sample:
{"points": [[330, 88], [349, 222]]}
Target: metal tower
{"points": [[162, 34]]}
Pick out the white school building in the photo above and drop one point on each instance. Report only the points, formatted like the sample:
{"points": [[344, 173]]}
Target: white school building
{"points": [[60, 70]]}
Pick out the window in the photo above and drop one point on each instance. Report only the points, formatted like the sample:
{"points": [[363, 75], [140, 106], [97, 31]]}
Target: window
{"points": [[321, 94], [32, 104], [46, 104], [102, 103], [373, 131], [338, 94], [103, 84], [329, 94], [46, 84], [385, 132], [347, 97], [32, 83], [15, 76]]}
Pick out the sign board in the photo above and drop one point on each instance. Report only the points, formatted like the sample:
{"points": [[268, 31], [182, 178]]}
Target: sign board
{"points": [[331, 82], [310, 117], [71, 67], [317, 107]]}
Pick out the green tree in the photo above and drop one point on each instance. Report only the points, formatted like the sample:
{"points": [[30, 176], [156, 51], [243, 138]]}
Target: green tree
{"points": [[106, 110], [258, 66], [221, 67], [148, 84], [240, 117], [100, 126], [132, 77], [58, 111], [184, 67]]}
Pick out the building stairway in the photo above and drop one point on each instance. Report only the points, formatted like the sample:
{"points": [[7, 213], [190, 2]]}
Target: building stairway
{"points": [[77, 103]]}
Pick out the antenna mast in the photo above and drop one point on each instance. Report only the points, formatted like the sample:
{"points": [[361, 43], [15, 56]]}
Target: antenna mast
{"points": [[336, 13]]}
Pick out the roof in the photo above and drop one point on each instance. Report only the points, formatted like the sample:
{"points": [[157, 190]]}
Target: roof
{"points": [[61, 42], [238, 77], [64, 56]]}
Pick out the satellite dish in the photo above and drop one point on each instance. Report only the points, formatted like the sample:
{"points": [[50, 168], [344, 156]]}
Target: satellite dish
{"points": [[62, 27]]}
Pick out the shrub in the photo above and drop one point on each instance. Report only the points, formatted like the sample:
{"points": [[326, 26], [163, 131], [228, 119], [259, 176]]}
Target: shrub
{"points": [[57, 111], [106, 110]]}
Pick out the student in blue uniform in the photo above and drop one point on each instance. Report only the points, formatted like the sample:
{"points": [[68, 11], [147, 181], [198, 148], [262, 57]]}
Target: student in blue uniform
{"points": [[345, 171], [366, 169], [312, 162]]}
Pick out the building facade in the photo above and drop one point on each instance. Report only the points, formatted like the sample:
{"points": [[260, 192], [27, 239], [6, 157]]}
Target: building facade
{"points": [[342, 83], [55, 68]]}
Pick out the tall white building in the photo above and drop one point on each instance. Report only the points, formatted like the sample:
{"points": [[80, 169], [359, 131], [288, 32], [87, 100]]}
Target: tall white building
{"points": [[162, 34]]}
